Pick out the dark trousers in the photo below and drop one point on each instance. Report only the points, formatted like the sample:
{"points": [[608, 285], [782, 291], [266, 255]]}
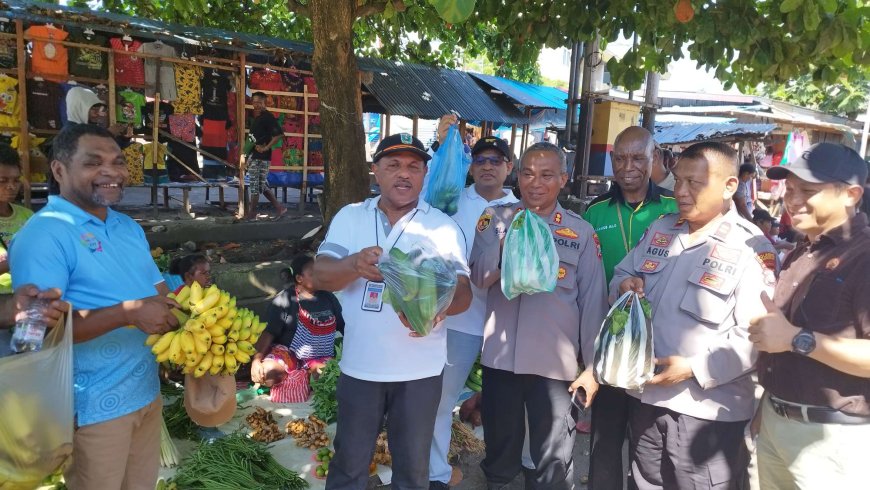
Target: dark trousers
{"points": [[609, 428], [409, 407], [552, 423], [670, 450]]}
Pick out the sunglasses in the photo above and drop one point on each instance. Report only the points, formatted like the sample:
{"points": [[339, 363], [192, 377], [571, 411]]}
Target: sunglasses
{"points": [[494, 161]]}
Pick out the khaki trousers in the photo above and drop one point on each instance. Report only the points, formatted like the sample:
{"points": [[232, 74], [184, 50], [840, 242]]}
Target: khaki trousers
{"points": [[794, 454], [119, 454]]}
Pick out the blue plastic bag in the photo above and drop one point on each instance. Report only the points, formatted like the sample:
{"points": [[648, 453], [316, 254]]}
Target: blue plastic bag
{"points": [[447, 172]]}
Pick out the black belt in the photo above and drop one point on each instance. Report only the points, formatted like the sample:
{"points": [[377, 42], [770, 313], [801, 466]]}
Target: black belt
{"points": [[819, 415]]}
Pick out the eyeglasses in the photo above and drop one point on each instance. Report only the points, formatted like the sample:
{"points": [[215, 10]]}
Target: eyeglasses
{"points": [[494, 161]]}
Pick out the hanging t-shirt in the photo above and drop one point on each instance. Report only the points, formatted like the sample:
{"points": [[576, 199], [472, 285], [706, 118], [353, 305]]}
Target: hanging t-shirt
{"points": [[130, 104], [9, 110], [135, 163], [214, 133], [129, 69], [161, 156], [9, 226], [8, 53], [86, 62], [164, 111], [43, 109], [49, 58], [266, 80], [167, 70], [214, 95], [189, 99]]}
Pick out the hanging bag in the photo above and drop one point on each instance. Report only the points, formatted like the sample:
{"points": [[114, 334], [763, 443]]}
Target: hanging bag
{"points": [[529, 261], [624, 354], [447, 172]]}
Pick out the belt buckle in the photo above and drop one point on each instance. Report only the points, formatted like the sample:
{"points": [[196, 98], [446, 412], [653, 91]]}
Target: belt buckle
{"points": [[779, 408]]}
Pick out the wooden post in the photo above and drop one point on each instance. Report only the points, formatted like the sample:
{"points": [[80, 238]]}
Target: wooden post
{"points": [[416, 126], [241, 122], [23, 126], [304, 185], [155, 128], [387, 131], [112, 92], [513, 140]]}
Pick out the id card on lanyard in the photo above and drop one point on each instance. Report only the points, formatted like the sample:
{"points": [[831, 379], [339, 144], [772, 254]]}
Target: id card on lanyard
{"points": [[373, 297]]}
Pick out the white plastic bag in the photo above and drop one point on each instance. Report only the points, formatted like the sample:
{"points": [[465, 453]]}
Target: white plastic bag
{"points": [[529, 261], [36, 411], [420, 284], [624, 354]]}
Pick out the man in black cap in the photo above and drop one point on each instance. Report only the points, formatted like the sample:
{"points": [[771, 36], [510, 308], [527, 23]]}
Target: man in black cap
{"points": [[490, 166], [815, 339], [385, 371]]}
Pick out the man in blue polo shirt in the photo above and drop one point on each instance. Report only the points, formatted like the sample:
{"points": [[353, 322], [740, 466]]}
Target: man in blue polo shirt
{"points": [[99, 259]]}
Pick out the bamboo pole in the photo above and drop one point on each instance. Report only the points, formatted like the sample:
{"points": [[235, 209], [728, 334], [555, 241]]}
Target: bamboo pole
{"points": [[513, 140], [112, 92], [304, 185], [240, 107], [24, 127], [155, 127], [416, 126]]}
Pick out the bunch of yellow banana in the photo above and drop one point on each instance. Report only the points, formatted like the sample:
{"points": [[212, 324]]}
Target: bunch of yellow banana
{"points": [[214, 336]]}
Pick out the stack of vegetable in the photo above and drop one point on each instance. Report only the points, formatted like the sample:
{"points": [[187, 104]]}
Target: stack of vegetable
{"points": [[420, 285], [214, 336], [475, 377], [309, 433], [324, 456], [264, 425], [323, 386], [624, 354], [234, 462], [529, 262]]}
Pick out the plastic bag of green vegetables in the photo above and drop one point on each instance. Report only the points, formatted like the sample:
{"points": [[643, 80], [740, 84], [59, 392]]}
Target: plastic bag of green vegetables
{"points": [[420, 284], [529, 261], [624, 346], [447, 172]]}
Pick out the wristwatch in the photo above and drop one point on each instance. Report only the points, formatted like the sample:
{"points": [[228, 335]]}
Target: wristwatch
{"points": [[804, 342]]}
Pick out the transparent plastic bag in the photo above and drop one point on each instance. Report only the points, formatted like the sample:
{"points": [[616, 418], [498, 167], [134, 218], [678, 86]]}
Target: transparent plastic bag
{"points": [[447, 173], [36, 411], [624, 354], [529, 261], [420, 284]]}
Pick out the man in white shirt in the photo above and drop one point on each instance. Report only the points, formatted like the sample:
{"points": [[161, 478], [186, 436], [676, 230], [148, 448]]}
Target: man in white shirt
{"points": [[490, 166], [386, 371]]}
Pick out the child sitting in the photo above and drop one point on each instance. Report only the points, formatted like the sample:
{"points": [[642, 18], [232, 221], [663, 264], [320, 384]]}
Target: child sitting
{"points": [[299, 338]]}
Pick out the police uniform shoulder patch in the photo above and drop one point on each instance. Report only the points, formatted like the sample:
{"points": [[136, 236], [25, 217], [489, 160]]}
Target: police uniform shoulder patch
{"points": [[557, 218], [562, 273], [649, 265], [597, 243], [767, 260], [712, 280], [484, 221], [567, 233], [722, 232], [661, 239]]}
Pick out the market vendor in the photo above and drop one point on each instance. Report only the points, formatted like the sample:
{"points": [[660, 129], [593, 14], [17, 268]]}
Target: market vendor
{"points": [[533, 344], [100, 261], [192, 268], [84, 107], [385, 371], [299, 337]]}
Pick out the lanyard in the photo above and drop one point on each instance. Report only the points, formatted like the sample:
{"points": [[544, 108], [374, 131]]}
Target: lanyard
{"points": [[622, 225], [379, 228]]}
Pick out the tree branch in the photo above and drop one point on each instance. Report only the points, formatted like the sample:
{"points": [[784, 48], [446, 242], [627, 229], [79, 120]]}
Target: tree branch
{"points": [[375, 8], [297, 7]]}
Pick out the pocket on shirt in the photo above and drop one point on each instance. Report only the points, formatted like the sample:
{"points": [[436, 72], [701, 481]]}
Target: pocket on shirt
{"points": [[705, 305], [821, 307], [567, 277]]}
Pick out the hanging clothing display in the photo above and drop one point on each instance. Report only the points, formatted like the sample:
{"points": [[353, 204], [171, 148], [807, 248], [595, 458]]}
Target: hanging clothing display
{"points": [[187, 84], [214, 133], [233, 147], [43, 111], [186, 155], [214, 95], [49, 58], [130, 104], [8, 48], [135, 158], [167, 86], [86, 62], [148, 150], [268, 80], [164, 111], [129, 68], [9, 109]]}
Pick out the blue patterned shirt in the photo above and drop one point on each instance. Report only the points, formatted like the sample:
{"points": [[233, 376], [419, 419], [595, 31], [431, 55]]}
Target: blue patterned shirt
{"points": [[95, 264]]}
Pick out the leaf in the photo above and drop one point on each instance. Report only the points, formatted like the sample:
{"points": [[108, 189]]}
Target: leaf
{"points": [[454, 11], [828, 6], [811, 17], [790, 5]]}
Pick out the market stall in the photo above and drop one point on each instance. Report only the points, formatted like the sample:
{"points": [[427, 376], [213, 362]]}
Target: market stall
{"points": [[179, 95]]}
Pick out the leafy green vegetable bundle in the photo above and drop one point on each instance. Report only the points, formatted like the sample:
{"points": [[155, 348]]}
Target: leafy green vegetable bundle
{"points": [[323, 388], [624, 354], [420, 285]]}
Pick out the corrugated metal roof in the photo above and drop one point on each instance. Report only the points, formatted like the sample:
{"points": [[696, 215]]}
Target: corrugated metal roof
{"points": [[527, 94], [408, 89], [669, 134], [111, 22]]}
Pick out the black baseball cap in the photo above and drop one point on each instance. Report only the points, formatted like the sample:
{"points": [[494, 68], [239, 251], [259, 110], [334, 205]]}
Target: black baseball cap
{"points": [[491, 142], [396, 143], [825, 163]]}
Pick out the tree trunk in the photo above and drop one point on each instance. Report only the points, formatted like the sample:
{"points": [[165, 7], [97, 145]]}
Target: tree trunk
{"points": [[338, 84]]}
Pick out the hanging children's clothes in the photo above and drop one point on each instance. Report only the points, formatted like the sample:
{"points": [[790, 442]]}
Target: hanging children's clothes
{"points": [[167, 88], [49, 58]]}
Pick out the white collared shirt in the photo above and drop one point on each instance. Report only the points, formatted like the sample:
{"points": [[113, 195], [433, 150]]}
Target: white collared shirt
{"points": [[377, 346], [471, 207]]}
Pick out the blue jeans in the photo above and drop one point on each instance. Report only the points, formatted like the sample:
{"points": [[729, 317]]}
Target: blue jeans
{"points": [[462, 351]]}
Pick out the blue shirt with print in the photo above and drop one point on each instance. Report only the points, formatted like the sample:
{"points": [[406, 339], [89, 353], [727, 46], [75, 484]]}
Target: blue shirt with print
{"points": [[96, 264]]}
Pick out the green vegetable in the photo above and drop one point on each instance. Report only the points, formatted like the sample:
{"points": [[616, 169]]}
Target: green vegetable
{"points": [[323, 398], [178, 423], [618, 321], [233, 462], [646, 307]]}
